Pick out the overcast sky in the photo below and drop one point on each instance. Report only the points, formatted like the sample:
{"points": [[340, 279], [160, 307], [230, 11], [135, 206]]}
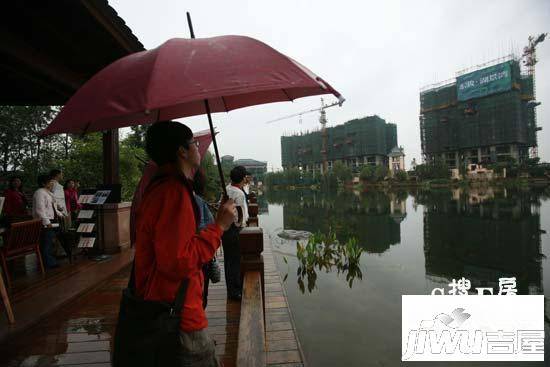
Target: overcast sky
{"points": [[378, 54]]}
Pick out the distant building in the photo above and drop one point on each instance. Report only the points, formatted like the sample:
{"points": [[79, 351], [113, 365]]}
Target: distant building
{"points": [[355, 143], [484, 116], [228, 159], [396, 159], [254, 167]]}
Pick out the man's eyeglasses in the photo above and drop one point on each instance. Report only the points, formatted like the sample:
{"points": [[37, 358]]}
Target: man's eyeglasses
{"points": [[196, 142]]}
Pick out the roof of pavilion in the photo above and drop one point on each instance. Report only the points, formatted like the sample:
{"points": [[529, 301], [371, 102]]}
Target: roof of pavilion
{"points": [[48, 49]]}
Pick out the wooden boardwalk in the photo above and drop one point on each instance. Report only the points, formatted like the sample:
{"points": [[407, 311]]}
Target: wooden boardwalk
{"points": [[283, 348], [79, 333]]}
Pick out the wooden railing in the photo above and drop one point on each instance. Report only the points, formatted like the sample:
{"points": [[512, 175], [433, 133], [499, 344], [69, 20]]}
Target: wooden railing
{"points": [[251, 350]]}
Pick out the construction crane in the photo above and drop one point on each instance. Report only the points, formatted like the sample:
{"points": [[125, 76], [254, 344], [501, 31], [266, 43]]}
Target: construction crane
{"points": [[322, 121], [299, 114], [530, 60]]}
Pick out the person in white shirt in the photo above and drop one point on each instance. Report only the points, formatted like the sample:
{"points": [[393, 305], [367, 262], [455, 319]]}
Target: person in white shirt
{"points": [[43, 208], [230, 238], [58, 191]]}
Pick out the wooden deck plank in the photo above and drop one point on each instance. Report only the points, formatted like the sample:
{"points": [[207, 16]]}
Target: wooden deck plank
{"points": [[80, 332]]}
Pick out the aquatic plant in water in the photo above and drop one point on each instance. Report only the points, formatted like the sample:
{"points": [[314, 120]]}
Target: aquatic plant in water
{"points": [[323, 252]]}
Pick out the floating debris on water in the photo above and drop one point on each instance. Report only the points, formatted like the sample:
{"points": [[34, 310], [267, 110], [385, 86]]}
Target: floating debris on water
{"points": [[291, 234]]}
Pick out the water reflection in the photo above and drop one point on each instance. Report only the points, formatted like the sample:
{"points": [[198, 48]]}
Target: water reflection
{"points": [[373, 218], [483, 235], [413, 242]]}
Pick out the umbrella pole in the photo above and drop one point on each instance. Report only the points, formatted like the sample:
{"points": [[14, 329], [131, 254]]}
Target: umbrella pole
{"points": [[218, 162], [207, 107]]}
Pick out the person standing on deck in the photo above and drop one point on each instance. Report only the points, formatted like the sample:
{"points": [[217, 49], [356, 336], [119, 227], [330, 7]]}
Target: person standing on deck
{"points": [[58, 191], [230, 239], [15, 205], [168, 246], [43, 208], [71, 199]]}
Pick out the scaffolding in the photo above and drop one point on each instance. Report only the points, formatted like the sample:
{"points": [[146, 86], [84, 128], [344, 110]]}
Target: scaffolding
{"points": [[449, 125], [359, 138]]}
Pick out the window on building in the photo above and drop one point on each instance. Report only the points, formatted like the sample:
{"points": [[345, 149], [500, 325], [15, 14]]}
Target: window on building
{"points": [[503, 150]]}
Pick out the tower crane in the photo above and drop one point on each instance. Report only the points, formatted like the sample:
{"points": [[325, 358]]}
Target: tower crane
{"points": [[322, 121], [530, 60]]}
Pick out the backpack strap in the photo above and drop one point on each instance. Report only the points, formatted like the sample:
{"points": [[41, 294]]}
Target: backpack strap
{"points": [[180, 297], [132, 280]]}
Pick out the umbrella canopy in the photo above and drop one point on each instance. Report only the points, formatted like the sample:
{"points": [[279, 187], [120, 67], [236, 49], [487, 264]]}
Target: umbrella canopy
{"points": [[174, 79]]}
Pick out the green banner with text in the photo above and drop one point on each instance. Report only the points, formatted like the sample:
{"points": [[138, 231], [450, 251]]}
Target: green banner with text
{"points": [[480, 83]]}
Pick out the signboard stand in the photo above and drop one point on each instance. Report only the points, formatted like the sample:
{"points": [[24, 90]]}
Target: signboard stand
{"points": [[89, 225]]}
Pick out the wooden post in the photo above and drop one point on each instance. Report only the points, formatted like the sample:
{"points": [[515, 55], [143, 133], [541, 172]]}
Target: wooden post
{"points": [[111, 174], [252, 215], [252, 343], [252, 210]]}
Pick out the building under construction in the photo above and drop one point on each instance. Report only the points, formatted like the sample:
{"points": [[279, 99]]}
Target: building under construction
{"points": [[483, 116], [355, 143]]}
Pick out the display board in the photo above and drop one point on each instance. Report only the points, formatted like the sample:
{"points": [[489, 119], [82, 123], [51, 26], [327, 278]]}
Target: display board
{"points": [[100, 197], [85, 214], [86, 242]]}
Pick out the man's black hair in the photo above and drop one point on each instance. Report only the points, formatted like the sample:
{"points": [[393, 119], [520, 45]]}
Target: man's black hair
{"points": [[54, 172], [42, 180], [163, 140], [237, 174]]}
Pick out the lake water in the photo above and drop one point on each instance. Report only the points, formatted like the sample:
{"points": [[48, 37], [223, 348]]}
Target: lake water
{"points": [[413, 241]]}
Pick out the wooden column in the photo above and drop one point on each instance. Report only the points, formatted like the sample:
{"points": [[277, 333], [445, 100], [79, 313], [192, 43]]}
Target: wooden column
{"points": [[111, 174]]}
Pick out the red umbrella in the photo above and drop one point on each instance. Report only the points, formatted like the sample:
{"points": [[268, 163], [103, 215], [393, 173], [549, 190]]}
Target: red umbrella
{"points": [[186, 77], [174, 79]]}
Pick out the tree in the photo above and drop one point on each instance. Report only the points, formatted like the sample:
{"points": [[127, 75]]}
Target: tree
{"points": [[342, 172], [85, 163], [213, 186], [433, 170], [380, 172], [292, 176], [19, 137], [329, 181], [400, 176], [136, 138], [367, 173]]}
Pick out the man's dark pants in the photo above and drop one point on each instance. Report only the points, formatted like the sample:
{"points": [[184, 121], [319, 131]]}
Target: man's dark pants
{"points": [[232, 261], [46, 245]]}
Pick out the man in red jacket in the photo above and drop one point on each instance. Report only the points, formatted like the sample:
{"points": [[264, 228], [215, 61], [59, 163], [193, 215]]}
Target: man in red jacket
{"points": [[168, 246]]}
